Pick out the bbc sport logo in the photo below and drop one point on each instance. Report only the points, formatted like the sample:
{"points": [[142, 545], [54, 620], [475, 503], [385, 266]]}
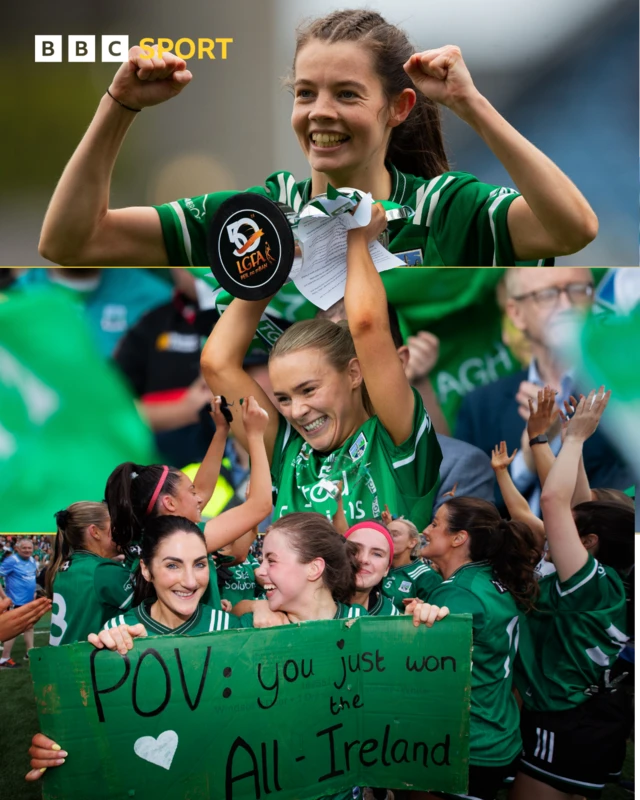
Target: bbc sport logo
{"points": [[50, 49]]}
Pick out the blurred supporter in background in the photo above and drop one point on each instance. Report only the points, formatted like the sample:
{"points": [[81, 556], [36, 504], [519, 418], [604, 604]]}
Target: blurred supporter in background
{"points": [[499, 411], [114, 299], [160, 357]]}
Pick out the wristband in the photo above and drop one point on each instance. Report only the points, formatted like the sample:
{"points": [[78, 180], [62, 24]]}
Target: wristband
{"points": [[540, 439], [135, 110]]}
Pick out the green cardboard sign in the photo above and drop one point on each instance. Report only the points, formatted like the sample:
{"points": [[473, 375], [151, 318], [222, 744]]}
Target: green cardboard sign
{"points": [[299, 711]]}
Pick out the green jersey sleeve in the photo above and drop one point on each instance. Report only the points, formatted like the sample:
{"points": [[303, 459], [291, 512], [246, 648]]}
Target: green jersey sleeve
{"points": [[459, 601], [113, 584], [592, 588], [470, 222], [185, 222], [426, 581], [572, 635]]}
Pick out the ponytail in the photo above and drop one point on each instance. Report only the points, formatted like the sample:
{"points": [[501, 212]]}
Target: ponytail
{"points": [[509, 546], [132, 494], [72, 524]]}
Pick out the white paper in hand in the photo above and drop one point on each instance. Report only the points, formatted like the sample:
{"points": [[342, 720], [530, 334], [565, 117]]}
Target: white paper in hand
{"points": [[323, 276]]}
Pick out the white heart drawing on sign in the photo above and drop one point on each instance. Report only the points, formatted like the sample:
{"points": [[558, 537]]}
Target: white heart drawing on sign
{"points": [[158, 751]]}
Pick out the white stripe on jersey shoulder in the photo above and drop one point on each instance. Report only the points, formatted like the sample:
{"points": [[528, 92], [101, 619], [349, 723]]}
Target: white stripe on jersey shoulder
{"points": [[282, 197], [492, 213], [291, 185], [186, 238], [218, 621], [435, 197], [425, 192], [296, 199], [126, 602], [424, 425], [417, 571], [578, 585], [394, 611], [353, 612]]}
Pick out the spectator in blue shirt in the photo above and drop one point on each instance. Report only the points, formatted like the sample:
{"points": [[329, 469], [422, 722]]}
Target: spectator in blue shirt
{"points": [[19, 573]]}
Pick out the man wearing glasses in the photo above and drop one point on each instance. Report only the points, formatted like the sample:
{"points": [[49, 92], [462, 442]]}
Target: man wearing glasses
{"points": [[499, 411]]}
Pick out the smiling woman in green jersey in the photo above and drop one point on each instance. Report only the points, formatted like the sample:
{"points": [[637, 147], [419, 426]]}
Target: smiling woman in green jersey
{"points": [[366, 116], [487, 565], [408, 577], [575, 720], [346, 412], [86, 585], [373, 548]]}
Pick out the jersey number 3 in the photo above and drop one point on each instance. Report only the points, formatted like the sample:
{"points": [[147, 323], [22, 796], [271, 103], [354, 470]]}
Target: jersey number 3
{"points": [[57, 619]]}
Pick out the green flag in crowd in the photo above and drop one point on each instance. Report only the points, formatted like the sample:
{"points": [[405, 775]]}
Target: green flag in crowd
{"points": [[604, 347], [66, 416]]}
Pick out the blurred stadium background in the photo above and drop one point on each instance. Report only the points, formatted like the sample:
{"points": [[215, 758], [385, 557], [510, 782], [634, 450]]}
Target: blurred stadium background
{"points": [[564, 73]]}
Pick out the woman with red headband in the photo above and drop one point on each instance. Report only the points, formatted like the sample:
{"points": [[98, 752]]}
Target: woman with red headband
{"points": [[136, 494], [372, 546]]}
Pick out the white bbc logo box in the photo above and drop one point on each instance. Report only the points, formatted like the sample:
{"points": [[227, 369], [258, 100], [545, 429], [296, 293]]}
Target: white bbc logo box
{"points": [[81, 48]]}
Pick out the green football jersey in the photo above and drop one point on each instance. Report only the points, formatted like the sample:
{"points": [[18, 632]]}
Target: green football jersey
{"points": [[416, 579], [494, 730], [204, 620], [242, 584], [458, 220], [87, 590], [373, 470], [571, 638], [382, 606]]}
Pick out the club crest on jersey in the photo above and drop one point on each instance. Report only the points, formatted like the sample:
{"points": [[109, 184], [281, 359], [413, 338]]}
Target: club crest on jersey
{"points": [[412, 258], [405, 586], [358, 448]]}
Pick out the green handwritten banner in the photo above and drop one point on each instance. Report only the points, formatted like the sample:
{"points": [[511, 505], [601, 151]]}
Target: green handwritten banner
{"points": [[300, 711]]}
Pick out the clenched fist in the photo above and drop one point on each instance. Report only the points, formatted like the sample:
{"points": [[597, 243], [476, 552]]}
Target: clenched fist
{"points": [[442, 76], [142, 82]]}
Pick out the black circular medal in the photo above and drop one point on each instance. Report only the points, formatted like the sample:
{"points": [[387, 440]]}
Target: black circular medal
{"points": [[251, 246]]}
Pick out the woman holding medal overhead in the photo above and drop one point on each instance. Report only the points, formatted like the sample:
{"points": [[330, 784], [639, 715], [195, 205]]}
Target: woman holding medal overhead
{"points": [[346, 412], [366, 116]]}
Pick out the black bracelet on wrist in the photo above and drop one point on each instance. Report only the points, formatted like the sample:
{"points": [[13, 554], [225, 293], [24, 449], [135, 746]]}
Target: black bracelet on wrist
{"points": [[135, 110], [540, 439]]}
